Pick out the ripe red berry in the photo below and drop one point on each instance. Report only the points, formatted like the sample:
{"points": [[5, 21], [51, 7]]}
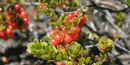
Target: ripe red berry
{"points": [[4, 59], [80, 24], [75, 36], [76, 12], [9, 22], [68, 39], [59, 63], [75, 30], [58, 5], [2, 34], [65, 21], [70, 16], [82, 19], [58, 37], [17, 7], [23, 14], [22, 9], [40, 7], [53, 42], [44, 7], [5, 38], [25, 20], [9, 31], [64, 6], [11, 26], [51, 33]]}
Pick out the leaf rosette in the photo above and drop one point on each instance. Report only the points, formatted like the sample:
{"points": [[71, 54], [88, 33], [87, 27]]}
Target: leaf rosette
{"points": [[105, 45]]}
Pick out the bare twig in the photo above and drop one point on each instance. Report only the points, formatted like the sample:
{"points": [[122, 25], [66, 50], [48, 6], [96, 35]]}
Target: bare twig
{"points": [[111, 20]]}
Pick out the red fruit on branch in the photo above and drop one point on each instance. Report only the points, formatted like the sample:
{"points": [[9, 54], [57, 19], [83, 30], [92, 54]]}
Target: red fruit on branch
{"points": [[2, 33], [51, 33], [68, 39], [75, 36], [17, 7], [75, 30], [40, 7], [22, 9], [58, 37], [9, 31], [44, 7], [82, 19], [59, 63], [53, 42], [80, 24], [70, 16], [11, 26], [76, 12], [25, 20], [23, 14]]}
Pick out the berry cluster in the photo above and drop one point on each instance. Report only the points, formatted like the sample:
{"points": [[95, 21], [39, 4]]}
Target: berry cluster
{"points": [[65, 34], [14, 17], [42, 6]]}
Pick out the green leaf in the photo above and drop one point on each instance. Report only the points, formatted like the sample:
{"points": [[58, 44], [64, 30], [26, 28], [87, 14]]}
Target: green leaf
{"points": [[2, 27], [87, 51], [41, 51], [87, 60], [59, 57], [47, 49], [59, 23], [56, 23], [81, 61], [68, 63], [69, 50], [75, 51], [52, 53], [46, 38], [65, 56], [38, 46], [97, 63], [45, 56], [36, 41]]}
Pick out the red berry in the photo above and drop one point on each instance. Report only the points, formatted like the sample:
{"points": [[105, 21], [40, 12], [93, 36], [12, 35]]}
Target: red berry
{"points": [[58, 5], [75, 30], [64, 6], [51, 33], [56, 27], [4, 59], [58, 37], [75, 36], [53, 42], [24, 14], [76, 12], [25, 20], [5, 38], [59, 63], [22, 9], [42, 4], [11, 26], [2, 34], [65, 21], [80, 24], [17, 7], [82, 19], [9, 31], [70, 16], [44, 7], [40, 7], [68, 39], [9, 22]]}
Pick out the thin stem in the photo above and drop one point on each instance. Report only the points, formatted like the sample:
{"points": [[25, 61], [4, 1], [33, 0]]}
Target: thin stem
{"points": [[108, 58]]}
